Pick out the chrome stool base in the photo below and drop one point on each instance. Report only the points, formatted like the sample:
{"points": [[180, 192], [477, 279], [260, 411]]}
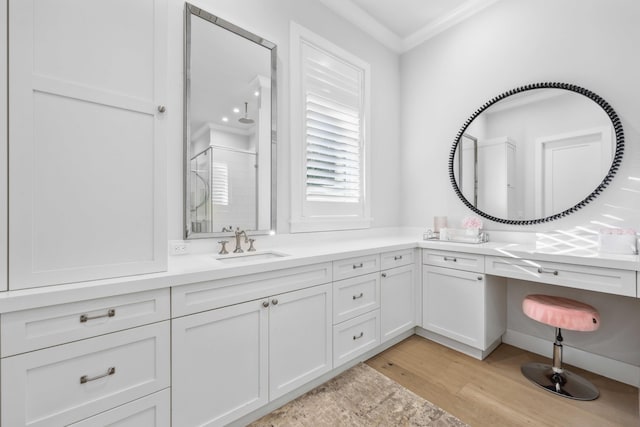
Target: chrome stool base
{"points": [[565, 384]]}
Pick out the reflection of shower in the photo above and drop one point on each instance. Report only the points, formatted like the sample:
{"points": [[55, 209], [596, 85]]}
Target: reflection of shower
{"points": [[204, 200], [246, 120]]}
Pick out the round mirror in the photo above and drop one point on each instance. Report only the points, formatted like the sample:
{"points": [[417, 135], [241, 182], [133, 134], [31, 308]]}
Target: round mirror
{"points": [[536, 153]]}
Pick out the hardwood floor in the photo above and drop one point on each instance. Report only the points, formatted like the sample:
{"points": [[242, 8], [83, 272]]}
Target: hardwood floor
{"points": [[493, 392]]}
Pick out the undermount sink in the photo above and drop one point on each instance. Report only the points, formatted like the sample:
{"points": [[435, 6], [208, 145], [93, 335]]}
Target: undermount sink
{"points": [[249, 257]]}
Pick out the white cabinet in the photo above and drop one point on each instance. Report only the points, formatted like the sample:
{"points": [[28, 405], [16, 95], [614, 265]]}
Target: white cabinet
{"points": [[464, 305], [3, 147], [149, 411], [219, 364], [398, 296], [87, 191], [230, 361], [68, 383], [300, 341]]}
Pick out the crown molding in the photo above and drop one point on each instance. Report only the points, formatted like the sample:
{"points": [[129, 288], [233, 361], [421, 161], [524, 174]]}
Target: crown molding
{"points": [[359, 17]]}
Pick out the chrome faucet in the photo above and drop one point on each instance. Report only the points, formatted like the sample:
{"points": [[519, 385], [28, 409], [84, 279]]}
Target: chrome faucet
{"points": [[239, 233]]}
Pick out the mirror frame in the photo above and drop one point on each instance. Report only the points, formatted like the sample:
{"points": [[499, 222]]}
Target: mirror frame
{"points": [[615, 163], [190, 9]]}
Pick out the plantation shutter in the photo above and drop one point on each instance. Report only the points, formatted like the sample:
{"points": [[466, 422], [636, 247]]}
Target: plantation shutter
{"points": [[333, 117]]}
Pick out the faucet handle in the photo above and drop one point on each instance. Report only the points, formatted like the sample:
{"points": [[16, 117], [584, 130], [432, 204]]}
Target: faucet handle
{"points": [[251, 248], [223, 249]]}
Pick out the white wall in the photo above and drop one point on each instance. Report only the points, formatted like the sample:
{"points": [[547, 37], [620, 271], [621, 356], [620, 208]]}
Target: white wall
{"points": [[591, 43], [270, 19]]}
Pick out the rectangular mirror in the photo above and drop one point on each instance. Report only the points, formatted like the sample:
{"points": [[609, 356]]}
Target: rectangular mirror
{"points": [[229, 128]]}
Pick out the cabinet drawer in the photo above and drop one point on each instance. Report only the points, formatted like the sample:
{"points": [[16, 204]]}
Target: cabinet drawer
{"points": [[355, 296], [355, 337], [68, 383], [396, 258], [150, 411], [202, 296], [357, 266], [28, 330], [609, 280], [458, 260]]}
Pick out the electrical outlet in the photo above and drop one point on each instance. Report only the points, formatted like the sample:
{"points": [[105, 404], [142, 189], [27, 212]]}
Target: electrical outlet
{"points": [[178, 247]]}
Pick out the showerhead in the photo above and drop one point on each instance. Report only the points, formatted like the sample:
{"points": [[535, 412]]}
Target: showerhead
{"points": [[245, 120]]}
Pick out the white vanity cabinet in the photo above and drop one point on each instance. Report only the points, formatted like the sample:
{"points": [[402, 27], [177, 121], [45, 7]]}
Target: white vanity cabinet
{"points": [[229, 361], [461, 303], [356, 323], [398, 293], [72, 362], [87, 191]]}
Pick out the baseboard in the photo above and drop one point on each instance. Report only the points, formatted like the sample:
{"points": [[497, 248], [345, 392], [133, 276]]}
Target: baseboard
{"points": [[458, 346], [610, 368]]}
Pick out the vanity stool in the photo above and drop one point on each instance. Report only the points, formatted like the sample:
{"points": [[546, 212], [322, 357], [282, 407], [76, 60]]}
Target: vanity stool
{"points": [[562, 313]]}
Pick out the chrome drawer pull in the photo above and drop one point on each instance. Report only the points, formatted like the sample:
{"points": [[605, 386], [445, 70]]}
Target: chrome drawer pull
{"points": [[84, 318], [397, 257], [85, 378], [274, 301], [357, 337], [265, 304], [384, 274], [450, 259], [357, 266], [358, 296], [545, 270]]}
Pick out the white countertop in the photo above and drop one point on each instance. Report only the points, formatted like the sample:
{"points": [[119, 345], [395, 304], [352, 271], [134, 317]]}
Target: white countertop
{"points": [[200, 267]]}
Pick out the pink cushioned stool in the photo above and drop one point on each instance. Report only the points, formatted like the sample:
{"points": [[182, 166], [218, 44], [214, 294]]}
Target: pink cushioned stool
{"points": [[561, 313]]}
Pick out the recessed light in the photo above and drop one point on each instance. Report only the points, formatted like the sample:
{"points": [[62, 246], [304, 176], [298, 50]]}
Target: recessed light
{"points": [[236, 110], [225, 119], [256, 93]]}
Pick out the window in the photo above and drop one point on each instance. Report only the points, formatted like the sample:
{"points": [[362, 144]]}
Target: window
{"points": [[329, 105]]}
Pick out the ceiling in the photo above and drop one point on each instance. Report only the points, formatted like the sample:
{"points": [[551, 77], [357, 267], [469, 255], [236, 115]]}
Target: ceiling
{"points": [[403, 24]]}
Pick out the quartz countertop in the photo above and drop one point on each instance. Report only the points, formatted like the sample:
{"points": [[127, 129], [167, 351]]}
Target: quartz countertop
{"points": [[204, 266]]}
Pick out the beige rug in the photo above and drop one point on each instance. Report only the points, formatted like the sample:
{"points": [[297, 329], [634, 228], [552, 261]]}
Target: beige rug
{"points": [[360, 396]]}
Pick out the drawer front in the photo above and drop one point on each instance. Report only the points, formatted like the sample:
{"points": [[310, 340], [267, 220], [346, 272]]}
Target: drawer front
{"points": [[355, 296], [458, 260], [358, 266], [29, 330], [608, 280], [397, 258], [150, 411], [202, 296], [68, 383], [355, 337]]}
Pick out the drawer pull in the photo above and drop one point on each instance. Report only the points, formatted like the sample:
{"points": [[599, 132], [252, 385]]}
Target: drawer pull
{"points": [[397, 257], [479, 277], [265, 304], [357, 266], [85, 378], [84, 318], [274, 301], [546, 270], [447, 258], [358, 296], [384, 274], [357, 337]]}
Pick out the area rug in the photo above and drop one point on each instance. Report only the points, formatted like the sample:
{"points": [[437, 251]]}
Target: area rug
{"points": [[360, 396]]}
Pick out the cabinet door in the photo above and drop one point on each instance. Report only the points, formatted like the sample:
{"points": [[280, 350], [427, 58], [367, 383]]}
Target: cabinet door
{"points": [[453, 304], [219, 361], [300, 338], [87, 178], [397, 307]]}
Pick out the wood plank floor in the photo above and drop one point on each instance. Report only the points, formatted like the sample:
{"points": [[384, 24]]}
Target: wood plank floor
{"points": [[493, 392]]}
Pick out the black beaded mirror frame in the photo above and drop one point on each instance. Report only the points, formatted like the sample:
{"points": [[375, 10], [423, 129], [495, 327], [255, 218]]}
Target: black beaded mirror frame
{"points": [[615, 164]]}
